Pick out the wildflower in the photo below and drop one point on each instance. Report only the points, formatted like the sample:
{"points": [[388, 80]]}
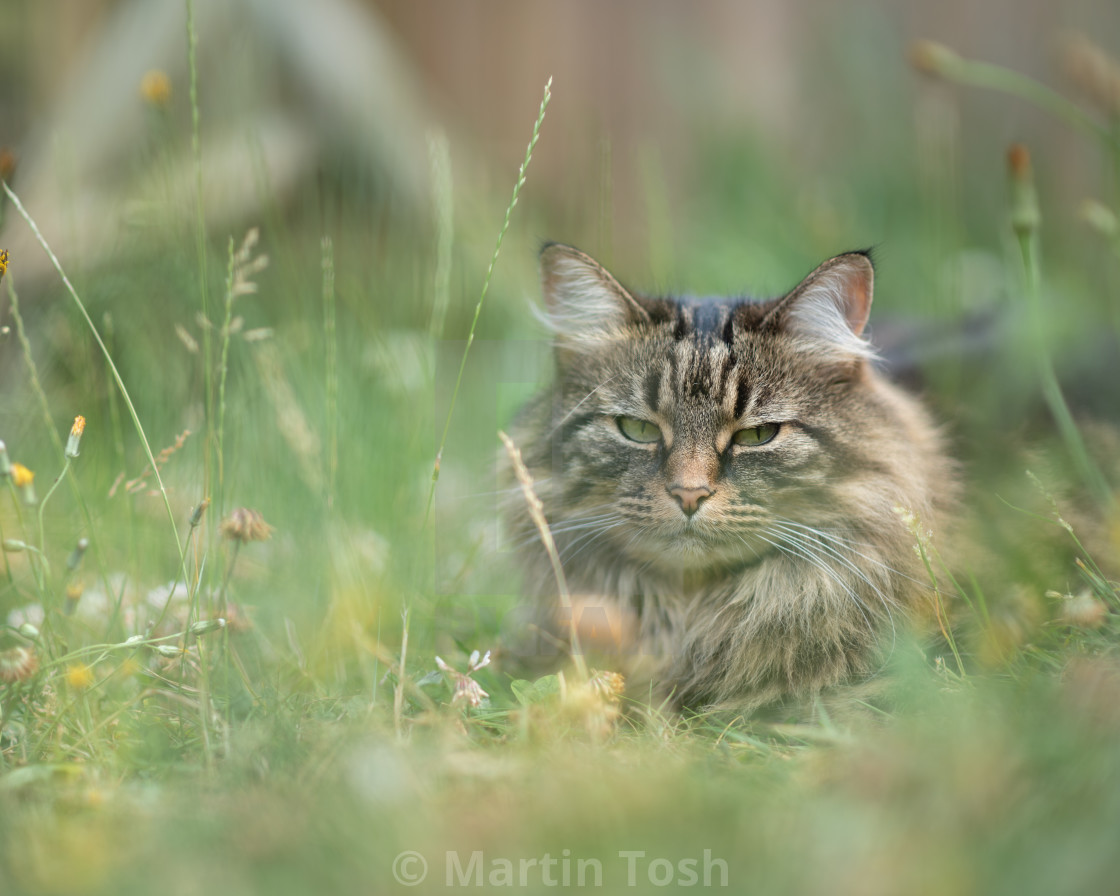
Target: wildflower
{"points": [[5, 461], [155, 88], [73, 594], [246, 525], [17, 664], [75, 436], [168, 650], [608, 685], [3, 261], [465, 689], [79, 676], [24, 480], [29, 631]]}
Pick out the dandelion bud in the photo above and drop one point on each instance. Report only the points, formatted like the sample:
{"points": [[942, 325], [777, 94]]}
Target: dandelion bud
{"points": [[205, 626], [168, 650], [74, 593], [75, 436], [24, 481], [76, 555], [932, 58], [1025, 216], [5, 461], [29, 631], [135, 641], [14, 545]]}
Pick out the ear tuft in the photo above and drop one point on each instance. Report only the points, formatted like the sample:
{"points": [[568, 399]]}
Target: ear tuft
{"points": [[830, 307], [585, 305]]}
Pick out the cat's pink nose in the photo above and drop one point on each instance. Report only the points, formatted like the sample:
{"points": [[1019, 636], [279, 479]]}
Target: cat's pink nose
{"points": [[690, 499]]}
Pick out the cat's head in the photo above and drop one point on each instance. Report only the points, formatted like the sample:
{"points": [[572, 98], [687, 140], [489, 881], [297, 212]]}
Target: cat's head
{"points": [[687, 433]]}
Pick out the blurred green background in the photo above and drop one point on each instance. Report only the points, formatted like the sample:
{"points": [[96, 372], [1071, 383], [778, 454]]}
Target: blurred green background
{"points": [[707, 147]]}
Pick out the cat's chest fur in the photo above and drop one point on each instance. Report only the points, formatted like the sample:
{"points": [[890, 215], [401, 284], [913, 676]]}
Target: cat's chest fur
{"points": [[725, 483]]}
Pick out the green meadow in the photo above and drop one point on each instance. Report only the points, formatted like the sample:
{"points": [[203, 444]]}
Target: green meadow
{"points": [[223, 599]]}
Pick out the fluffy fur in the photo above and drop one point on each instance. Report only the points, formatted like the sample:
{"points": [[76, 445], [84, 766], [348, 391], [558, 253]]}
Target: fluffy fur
{"points": [[725, 568]]}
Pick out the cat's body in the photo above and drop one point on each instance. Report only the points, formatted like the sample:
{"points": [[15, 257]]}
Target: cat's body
{"points": [[724, 480]]}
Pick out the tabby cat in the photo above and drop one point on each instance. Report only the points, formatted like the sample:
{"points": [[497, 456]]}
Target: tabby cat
{"points": [[726, 482]]}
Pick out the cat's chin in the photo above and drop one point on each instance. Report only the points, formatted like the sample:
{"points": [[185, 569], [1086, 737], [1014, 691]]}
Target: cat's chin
{"points": [[692, 552]]}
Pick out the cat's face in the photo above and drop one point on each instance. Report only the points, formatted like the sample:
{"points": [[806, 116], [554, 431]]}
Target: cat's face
{"points": [[695, 434]]}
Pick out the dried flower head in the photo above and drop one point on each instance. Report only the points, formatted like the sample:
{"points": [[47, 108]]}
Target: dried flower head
{"points": [[75, 436], [245, 524], [17, 664], [155, 87]]}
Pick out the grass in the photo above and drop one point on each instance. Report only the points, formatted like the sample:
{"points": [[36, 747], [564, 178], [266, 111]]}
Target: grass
{"points": [[313, 740]]}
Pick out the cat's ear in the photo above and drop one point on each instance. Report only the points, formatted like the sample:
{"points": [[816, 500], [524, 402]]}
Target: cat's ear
{"points": [[829, 308], [584, 304]]}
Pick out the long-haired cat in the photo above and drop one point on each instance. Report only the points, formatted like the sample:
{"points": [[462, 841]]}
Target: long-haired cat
{"points": [[723, 479]]}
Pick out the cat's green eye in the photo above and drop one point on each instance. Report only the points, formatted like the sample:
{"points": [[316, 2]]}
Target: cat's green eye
{"points": [[756, 435], [638, 430]]}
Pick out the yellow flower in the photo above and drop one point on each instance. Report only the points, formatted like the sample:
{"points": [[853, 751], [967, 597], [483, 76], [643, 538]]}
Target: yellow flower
{"points": [[79, 676], [155, 87], [21, 476], [75, 436], [3, 261]]}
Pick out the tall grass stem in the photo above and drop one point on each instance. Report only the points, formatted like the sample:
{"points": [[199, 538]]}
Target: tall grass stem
{"points": [[485, 288]]}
